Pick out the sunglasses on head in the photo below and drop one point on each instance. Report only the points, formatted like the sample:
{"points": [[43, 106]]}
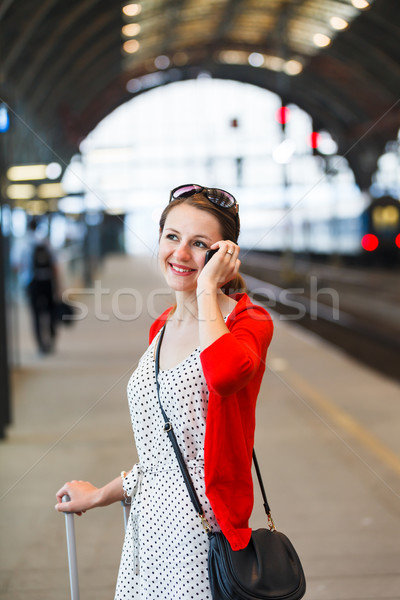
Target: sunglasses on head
{"points": [[218, 197], [215, 195]]}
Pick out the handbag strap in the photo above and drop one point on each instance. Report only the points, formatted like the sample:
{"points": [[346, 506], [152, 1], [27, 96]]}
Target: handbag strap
{"points": [[168, 428]]}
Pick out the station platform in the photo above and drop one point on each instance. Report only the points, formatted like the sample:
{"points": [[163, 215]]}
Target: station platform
{"points": [[327, 441]]}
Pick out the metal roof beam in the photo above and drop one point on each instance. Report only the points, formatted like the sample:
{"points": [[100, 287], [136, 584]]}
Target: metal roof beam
{"points": [[68, 23]]}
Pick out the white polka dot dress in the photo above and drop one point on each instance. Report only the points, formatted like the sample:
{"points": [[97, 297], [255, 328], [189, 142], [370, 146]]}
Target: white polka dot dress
{"points": [[165, 549]]}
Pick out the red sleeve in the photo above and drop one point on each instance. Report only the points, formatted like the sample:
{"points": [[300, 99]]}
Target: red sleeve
{"points": [[232, 360]]}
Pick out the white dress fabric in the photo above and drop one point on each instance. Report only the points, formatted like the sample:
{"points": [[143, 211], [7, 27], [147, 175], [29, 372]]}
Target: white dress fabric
{"points": [[165, 549]]}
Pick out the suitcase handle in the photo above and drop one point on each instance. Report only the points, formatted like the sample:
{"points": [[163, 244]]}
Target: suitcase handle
{"points": [[71, 545]]}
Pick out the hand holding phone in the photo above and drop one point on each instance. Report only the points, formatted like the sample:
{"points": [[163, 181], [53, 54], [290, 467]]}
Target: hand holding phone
{"points": [[209, 254]]}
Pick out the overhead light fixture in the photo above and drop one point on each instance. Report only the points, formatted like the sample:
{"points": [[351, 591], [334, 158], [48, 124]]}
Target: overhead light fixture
{"points": [[131, 46], [256, 59], [361, 4], [131, 10], [131, 29], [53, 170], [339, 23], [275, 63], [72, 205], [37, 207], [232, 57], [326, 144], [50, 190], [293, 67], [26, 172], [162, 62], [321, 40], [4, 118], [147, 82], [21, 191], [34, 172]]}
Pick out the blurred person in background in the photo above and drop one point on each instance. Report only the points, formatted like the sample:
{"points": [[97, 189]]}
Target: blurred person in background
{"points": [[212, 348], [41, 282]]}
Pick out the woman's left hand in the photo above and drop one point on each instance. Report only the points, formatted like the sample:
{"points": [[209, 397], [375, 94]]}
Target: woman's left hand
{"points": [[221, 268]]}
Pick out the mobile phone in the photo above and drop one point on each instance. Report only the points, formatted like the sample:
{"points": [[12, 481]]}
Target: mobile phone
{"points": [[209, 254]]}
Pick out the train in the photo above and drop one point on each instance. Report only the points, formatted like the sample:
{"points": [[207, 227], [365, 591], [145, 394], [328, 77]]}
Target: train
{"points": [[380, 230], [370, 237]]}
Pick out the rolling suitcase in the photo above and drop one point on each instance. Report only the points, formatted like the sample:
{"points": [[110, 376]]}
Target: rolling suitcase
{"points": [[71, 545]]}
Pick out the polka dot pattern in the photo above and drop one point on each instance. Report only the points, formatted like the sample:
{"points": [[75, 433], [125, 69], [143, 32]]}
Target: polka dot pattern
{"points": [[165, 548]]}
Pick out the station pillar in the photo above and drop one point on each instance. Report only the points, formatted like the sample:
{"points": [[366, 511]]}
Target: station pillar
{"points": [[5, 391]]}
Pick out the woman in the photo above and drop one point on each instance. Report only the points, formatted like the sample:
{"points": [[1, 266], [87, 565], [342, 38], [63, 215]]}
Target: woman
{"points": [[212, 359]]}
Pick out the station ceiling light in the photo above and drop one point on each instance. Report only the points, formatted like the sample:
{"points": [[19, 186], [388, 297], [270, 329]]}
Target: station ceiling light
{"points": [[321, 40], [339, 23], [50, 190], [21, 191], [53, 170], [131, 10], [162, 62], [256, 59], [4, 118], [27, 172], [37, 207], [131, 46], [131, 29], [361, 4], [293, 67], [34, 172]]}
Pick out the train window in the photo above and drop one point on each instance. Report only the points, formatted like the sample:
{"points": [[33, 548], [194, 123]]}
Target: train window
{"points": [[385, 217]]}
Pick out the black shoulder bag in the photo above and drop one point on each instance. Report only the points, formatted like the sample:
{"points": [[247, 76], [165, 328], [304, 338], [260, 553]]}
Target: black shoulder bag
{"points": [[267, 569]]}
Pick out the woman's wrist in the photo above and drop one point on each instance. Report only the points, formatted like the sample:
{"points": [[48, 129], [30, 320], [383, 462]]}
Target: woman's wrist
{"points": [[98, 498], [109, 493], [206, 289]]}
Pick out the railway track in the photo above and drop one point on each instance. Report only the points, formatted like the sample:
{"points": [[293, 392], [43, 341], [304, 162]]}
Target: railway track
{"points": [[363, 340]]}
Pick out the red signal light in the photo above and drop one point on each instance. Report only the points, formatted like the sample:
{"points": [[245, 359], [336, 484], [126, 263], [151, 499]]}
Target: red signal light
{"points": [[397, 240], [369, 242], [282, 115], [314, 139]]}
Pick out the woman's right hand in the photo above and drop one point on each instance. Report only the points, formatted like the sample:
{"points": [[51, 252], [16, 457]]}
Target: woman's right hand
{"points": [[83, 496]]}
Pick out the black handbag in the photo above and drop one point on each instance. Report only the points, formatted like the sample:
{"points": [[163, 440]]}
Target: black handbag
{"points": [[267, 569], [65, 313]]}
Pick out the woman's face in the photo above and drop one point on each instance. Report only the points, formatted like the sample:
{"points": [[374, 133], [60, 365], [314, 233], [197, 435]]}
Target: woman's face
{"points": [[188, 234]]}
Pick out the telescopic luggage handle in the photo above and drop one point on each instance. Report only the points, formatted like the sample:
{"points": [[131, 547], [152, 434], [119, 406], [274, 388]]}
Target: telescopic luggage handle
{"points": [[71, 545]]}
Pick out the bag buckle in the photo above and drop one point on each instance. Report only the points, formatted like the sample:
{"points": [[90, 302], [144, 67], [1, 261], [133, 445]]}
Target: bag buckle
{"points": [[271, 523], [168, 426], [206, 525]]}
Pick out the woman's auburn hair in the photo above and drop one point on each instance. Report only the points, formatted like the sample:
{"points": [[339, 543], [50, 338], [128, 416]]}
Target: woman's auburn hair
{"points": [[228, 222]]}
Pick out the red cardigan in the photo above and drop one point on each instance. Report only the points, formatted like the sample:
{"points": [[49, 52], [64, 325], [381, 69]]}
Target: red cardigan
{"points": [[233, 368]]}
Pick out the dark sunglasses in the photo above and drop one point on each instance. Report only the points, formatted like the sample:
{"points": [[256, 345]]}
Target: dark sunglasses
{"points": [[215, 195]]}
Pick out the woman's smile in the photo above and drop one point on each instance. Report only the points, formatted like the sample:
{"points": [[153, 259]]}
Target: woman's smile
{"points": [[181, 269]]}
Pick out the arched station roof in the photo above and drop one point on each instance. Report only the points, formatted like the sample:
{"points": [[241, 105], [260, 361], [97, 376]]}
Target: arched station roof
{"points": [[63, 66]]}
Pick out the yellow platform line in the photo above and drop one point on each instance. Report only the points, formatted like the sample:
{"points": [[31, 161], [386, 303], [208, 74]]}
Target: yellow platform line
{"points": [[347, 423]]}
